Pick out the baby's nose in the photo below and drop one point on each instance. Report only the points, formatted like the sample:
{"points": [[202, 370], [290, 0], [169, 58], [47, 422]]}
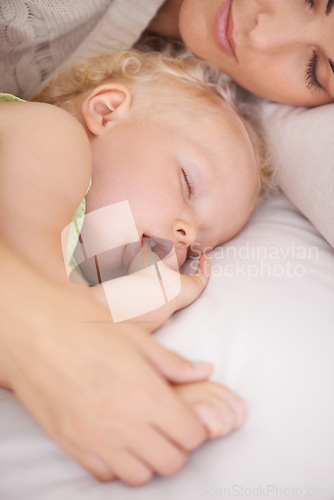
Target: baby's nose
{"points": [[184, 233]]}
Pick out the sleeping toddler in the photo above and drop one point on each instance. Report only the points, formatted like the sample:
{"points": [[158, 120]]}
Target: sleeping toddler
{"points": [[161, 135]]}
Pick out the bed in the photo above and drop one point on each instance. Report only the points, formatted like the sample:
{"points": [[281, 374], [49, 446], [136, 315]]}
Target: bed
{"points": [[266, 321]]}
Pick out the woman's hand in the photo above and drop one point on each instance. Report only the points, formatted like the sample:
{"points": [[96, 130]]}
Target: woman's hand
{"points": [[100, 390]]}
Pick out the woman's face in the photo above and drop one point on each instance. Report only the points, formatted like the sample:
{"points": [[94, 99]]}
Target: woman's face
{"points": [[280, 49]]}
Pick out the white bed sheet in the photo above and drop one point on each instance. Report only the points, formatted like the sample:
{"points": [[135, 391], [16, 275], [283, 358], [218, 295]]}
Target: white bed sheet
{"points": [[266, 320]]}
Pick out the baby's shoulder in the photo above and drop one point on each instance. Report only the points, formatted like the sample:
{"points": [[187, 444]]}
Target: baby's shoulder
{"points": [[51, 137], [40, 120]]}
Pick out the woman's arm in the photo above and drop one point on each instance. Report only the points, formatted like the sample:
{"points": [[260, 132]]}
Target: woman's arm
{"points": [[99, 390]]}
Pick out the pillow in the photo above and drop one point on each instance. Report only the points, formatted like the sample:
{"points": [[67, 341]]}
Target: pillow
{"points": [[301, 141], [266, 321]]}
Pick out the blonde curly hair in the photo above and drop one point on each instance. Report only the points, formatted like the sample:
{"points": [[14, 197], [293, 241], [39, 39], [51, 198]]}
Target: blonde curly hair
{"points": [[190, 81]]}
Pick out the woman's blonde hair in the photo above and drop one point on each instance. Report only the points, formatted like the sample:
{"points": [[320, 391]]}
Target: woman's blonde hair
{"points": [[193, 82]]}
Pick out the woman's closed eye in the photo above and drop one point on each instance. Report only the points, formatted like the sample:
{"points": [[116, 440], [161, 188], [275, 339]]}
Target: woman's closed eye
{"points": [[310, 74], [311, 67]]}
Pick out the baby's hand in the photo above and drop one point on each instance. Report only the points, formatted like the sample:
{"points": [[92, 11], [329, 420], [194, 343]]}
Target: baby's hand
{"points": [[219, 409], [187, 288], [193, 285]]}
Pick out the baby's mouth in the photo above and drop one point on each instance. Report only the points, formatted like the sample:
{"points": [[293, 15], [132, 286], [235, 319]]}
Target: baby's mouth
{"points": [[132, 249], [163, 248], [153, 243]]}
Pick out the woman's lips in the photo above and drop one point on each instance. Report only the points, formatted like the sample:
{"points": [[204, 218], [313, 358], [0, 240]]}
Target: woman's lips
{"points": [[224, 30]]}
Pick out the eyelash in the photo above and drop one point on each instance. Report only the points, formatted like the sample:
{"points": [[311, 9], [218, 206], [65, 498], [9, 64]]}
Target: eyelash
{"points": [[190, 187], [310, 77], [328, 6]]}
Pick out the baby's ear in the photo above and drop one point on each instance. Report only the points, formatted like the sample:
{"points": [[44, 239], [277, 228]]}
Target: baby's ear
{"points": [[104, 106]]}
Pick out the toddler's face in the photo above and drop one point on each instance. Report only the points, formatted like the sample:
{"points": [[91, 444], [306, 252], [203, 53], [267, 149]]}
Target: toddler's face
{"points": [[190, 180]]}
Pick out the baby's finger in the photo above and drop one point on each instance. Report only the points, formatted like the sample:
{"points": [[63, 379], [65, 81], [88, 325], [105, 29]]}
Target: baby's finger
{"points": [[193, 286], [200, 278], [218, 408], [216, 415], [236, 403], [203, 269], [217, 419]]}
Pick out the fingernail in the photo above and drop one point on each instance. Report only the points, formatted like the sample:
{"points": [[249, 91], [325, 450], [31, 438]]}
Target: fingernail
{"points": [[203, 366], [101, 468]]}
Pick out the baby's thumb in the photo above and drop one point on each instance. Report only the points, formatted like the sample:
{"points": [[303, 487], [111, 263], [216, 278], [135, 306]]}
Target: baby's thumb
{"points": [[193, 286], [174, 367], [203, 270]]}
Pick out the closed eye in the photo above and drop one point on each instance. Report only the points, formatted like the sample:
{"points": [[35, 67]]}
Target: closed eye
{"points": [[189, 184], [310, 74], [329, 6]]}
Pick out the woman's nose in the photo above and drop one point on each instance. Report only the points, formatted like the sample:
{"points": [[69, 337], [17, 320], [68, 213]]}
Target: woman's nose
{"points": [[278, 29]]}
